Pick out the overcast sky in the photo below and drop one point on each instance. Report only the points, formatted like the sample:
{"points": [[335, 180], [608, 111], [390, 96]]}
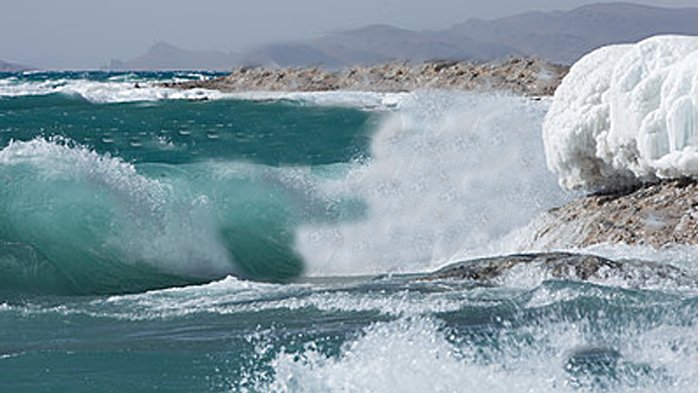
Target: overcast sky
{"points": [[87, 33]]}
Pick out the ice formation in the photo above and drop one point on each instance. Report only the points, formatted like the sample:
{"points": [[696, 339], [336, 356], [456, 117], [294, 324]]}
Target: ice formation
{"points": [[626, 114]]}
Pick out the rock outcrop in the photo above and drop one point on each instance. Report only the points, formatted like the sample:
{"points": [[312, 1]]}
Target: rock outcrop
{"points": [[565, 266], [526, 76], [654, 214]]}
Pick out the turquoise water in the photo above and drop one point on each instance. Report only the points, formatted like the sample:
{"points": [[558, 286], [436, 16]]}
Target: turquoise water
{"points": [[157, 240], [137, 167]]}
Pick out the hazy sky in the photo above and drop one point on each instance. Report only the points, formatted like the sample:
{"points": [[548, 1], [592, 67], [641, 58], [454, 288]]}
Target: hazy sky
{"points": [[87, 33]]}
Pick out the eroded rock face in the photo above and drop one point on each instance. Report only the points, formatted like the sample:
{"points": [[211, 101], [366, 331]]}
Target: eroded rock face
{"points": [[656, 214], [566, 266], [532, 77]]}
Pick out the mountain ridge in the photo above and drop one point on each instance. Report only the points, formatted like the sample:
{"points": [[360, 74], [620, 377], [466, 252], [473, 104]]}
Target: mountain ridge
{"points": [[556, 36]]}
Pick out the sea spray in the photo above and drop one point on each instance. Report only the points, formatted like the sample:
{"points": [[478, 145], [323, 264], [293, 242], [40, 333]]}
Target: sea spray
{"points": [[449, 174]]}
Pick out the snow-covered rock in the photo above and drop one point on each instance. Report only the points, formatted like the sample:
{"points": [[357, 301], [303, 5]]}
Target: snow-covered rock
{"points": [[626, 114]]}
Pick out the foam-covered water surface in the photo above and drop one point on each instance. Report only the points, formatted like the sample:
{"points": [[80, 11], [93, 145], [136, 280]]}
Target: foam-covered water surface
{"points": [[389, 334]]}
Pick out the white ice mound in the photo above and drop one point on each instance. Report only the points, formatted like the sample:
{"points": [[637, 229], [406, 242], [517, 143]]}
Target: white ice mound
{"points": [[626, 114]]}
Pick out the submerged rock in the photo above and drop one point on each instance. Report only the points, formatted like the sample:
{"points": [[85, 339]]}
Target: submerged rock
{"points": [[565, 266], [488, 269]]}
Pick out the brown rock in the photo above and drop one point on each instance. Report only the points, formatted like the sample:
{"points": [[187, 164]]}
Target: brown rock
{"points": [[654, 214], [531, 77]]}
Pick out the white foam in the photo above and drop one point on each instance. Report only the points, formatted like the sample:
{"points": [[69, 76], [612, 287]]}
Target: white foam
{"points": [[57, 157], [407, 356], [358, 99], [625, 114], [12, 87], [419, 355], [400, 303], [232, 296]]}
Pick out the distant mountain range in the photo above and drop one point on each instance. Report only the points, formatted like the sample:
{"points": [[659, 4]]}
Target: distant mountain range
{"points": [[12, 67], [565, 36], [557, 36]]}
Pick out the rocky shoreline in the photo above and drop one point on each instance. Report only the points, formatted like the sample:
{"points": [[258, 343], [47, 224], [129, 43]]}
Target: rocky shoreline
{"points": [[660, 215], [524, 76], [657, 214]]}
